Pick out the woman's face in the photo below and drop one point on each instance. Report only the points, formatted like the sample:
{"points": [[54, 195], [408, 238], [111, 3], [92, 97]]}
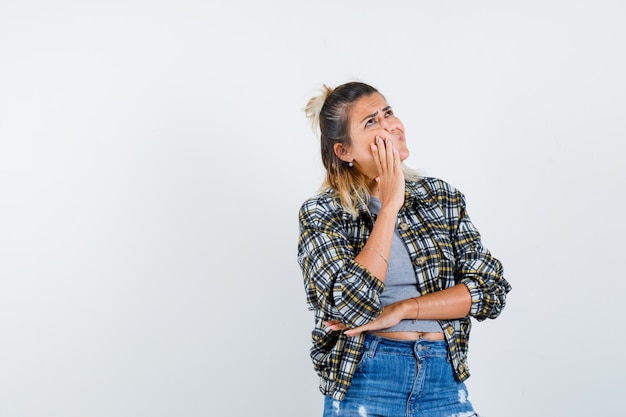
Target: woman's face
{"points": [[371, 116]]}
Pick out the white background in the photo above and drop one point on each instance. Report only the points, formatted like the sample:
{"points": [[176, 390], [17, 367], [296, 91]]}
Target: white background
{"points": [[154, 154]]}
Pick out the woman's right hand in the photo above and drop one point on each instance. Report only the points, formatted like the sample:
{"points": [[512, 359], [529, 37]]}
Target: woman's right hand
{"points": [[390, 176]]}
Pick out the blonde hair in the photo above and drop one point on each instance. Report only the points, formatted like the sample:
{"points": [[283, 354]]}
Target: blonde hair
{"points": [[329, 114]]}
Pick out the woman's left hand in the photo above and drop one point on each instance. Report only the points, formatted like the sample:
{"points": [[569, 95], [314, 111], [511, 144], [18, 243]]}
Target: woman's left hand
{"points": [[390, 316]]}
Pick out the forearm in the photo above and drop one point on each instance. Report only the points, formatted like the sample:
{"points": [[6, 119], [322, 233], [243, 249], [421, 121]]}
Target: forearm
{"points": [[451, 303], [375, 254], [448, 304]]}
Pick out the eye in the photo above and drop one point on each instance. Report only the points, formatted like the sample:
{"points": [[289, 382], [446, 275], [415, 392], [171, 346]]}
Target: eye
{"points": [[370, 122], [389, 113]]}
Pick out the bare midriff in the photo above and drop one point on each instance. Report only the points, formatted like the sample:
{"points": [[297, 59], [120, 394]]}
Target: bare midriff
{"points": [[410, 335]]}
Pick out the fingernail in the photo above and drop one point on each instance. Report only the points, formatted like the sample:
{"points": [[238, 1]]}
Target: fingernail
{"points": [[377, 139]]}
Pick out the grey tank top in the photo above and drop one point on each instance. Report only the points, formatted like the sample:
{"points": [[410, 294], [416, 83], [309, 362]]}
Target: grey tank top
{"points": [[401, 283]]}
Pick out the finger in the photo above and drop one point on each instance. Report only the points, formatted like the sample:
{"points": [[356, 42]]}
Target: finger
{"points": [[335, 325], [390, 154], [354, 332], [397, 163], [358, 330], [376, 155], [382, 155]]}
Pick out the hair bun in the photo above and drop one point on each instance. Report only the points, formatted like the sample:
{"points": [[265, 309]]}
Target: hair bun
{"points": [[314, 107]]}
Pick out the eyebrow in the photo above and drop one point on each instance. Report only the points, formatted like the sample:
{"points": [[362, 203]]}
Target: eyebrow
{"points": [[374, 114]]}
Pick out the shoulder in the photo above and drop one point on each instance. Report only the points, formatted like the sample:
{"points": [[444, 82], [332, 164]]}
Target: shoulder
{"points": [[325, 200], [321, 207]]}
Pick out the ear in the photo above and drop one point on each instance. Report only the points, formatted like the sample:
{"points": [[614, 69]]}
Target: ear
{"points": [[341, 152]]}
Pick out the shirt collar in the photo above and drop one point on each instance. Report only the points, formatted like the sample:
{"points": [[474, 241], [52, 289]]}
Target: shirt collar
{"points": [[416, 192]]}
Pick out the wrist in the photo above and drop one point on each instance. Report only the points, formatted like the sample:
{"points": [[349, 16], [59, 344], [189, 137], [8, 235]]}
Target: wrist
{"points": [[409, 309], [417, 308], [387, 213]]}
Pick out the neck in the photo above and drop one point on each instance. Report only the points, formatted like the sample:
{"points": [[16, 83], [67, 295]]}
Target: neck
{"points": [[373, 187]]}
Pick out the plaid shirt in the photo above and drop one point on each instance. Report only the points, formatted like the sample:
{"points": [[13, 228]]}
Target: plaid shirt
{"points": [[444, 247]]}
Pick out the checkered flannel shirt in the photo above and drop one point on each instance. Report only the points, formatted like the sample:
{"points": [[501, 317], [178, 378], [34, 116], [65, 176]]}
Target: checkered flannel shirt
{"points": [[444, 247]]}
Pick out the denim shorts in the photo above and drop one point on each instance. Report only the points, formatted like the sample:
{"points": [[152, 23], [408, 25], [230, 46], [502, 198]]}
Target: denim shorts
{"points": [[402, 379]]}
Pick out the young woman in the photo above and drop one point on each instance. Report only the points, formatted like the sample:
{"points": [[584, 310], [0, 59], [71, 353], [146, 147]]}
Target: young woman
{"points": [[393, 269]]}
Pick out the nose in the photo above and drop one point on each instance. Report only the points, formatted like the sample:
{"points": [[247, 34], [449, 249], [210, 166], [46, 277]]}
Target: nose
{"points": [[388, 125]]}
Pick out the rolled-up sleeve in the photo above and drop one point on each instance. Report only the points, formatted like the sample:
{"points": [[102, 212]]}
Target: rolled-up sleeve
{"points": [[335, 284], [478, 269]]}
